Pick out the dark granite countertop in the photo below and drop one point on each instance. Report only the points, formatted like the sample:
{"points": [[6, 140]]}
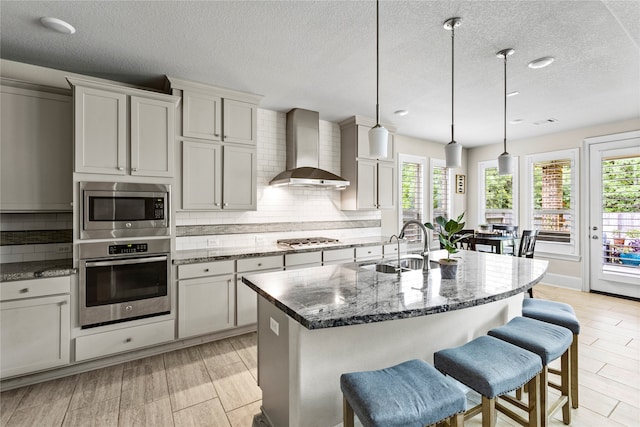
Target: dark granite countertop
{"points": [[205, 255], [350, 294], [36, 269]]}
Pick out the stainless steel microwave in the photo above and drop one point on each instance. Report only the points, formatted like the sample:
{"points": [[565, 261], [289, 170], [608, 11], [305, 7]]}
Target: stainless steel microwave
{"points": [[123, 209]]}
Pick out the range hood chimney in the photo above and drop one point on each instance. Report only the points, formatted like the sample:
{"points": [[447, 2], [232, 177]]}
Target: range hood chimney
{"points": [[303, 146]]}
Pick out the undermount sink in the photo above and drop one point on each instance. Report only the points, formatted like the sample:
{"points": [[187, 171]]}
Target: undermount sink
{"points": [[407, 263]]}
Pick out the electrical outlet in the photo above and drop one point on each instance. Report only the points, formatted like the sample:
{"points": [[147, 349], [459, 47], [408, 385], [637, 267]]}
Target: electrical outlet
{"points": [[63, 249], [274, 325], [213, 242]]}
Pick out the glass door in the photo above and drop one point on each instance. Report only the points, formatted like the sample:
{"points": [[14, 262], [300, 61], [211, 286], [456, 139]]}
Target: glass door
{"points": [[613, 189]]}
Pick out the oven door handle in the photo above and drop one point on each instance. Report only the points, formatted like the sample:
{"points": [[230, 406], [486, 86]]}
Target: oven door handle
{"points": [[125, 261]]}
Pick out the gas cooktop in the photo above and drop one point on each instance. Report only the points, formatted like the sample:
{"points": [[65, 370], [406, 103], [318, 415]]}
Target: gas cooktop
{"points": [[306, 242]]}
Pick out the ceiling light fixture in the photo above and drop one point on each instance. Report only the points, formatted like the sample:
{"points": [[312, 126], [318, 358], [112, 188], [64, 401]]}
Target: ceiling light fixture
{"points": [[58, 25], [505, 161], [514, 93], [378, 135], [401, 112], [453, 150], [541, 62]]}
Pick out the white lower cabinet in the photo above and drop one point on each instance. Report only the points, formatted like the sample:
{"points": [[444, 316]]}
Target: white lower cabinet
{"points": [[368, 252], [206, 304], [247, 298], [302, 260], [34, 332], [126, 339], [337, 256]]}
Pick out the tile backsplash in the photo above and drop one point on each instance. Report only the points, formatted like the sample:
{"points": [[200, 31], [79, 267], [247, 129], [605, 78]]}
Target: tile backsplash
{"points": [[35, 236], [282, 204]]}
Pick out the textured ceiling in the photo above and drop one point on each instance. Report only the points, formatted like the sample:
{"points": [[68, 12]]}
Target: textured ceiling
{"points": [[320, 55]]}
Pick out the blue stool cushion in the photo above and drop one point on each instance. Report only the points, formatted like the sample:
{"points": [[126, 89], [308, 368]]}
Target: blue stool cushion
{"points": [[488, 365], [544, 339], [554, 312], [412, 393]]}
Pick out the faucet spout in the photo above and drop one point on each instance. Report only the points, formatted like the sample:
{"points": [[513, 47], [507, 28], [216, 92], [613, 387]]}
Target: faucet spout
{"points": [[398, 240], [426, 252]]}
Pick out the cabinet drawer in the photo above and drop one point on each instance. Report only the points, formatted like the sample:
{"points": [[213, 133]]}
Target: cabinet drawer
{"points": [[338, 255], [368, 252], [106, 343], [391, 249], [34, 288], [205, 269], [303, 258], [261, 263]]}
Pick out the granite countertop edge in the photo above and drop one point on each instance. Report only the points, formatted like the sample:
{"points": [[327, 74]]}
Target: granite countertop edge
{"points": [[14, 271], [195, 256]]}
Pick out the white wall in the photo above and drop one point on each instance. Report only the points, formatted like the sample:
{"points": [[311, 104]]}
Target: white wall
{"points": [[562, 272]]}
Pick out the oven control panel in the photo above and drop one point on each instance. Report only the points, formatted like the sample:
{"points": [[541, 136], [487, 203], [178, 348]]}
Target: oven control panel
{"points": [[129, 248]]}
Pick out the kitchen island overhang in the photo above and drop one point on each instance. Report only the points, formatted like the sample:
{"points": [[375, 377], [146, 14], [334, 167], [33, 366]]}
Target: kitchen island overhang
{"points": [[316, 323]]}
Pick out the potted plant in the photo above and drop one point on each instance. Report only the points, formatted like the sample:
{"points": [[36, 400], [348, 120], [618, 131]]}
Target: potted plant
{"points": [[631, 253], [617, 237], [448, 235]]}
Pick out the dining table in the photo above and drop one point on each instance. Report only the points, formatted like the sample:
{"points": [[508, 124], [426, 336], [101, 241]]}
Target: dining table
{"points": [[498, 243]]}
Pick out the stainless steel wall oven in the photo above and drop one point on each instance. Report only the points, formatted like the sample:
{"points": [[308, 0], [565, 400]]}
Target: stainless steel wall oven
{"points": [[123, 281], [123, 209]]}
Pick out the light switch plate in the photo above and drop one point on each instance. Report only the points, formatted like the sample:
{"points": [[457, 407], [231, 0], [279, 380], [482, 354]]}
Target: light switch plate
{"points": [[274, 325]]}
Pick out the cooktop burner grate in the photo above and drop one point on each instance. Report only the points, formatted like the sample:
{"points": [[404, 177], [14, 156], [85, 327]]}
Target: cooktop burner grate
{"points": [[306, 242]]}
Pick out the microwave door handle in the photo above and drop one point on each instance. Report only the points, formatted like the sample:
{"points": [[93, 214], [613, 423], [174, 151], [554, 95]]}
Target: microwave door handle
{"points": [[125, 261]]}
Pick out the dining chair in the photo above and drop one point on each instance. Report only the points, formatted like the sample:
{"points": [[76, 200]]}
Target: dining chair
{"points": [[468, 242], [506, 229], [527, 247]]}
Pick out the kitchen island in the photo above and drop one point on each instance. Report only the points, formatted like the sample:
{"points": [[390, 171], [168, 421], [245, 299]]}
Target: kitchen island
{"points": [[316, 323]]}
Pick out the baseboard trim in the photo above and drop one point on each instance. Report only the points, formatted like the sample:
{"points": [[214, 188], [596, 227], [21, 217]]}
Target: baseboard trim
{"points": [[563, 281]]}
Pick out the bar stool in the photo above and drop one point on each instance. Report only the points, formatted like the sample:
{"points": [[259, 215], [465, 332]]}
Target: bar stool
{"points": [[560, 314], [493, 367], [412, 393], [549, 342]]}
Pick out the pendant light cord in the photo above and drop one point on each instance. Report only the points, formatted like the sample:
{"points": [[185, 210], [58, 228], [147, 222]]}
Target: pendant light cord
{"points": [[505, 103], [377, 63], [453, 31]]}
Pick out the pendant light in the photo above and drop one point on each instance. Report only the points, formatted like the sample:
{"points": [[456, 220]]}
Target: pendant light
{"points": [[453, 150], [378, 135], [505, 161]]}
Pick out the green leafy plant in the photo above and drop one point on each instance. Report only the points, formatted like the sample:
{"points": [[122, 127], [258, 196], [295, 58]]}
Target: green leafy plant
{"points": [[633, 234], [448, 232]]}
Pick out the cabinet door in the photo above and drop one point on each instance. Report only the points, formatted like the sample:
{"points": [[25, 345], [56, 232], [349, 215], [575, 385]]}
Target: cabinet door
{"points": [[363, 145], [239, 190], [205, 305], [366, 197], [201, 116], [34, 334], [239, 122], [152, 137], [386, 186], [201, 176], [36, 150], [100, 131], [246, 304]]}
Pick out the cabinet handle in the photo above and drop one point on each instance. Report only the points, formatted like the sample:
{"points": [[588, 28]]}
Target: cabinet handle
{"points": [[24, 290], [259, 264], [128, 340], [216, 134], [120, 168], [63, 303], [134, 169], [216, 204], [225, 204], [71, 204], [206, 270]]}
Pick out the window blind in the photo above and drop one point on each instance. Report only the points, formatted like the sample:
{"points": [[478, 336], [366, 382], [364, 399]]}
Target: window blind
{"points": [[412, 198], [553, 210]]}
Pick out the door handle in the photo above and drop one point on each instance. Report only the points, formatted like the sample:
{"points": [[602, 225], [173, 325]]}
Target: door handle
{"points": [[594, 237]]}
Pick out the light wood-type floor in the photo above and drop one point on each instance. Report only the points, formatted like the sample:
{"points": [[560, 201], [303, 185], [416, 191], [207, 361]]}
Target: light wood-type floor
{"points": [[214, 384]]}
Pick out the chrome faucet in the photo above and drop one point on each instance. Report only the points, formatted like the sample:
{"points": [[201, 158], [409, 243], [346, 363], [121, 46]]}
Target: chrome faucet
{"points": [[399, 269], [426, 254]]}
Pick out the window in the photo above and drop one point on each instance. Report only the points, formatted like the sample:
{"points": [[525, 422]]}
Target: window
{"points": [[553, 200], [412, 179], [440, 195], [497, 195]]}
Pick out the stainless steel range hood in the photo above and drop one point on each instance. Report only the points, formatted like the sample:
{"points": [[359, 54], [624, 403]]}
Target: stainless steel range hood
{"points": [[303, 144]]}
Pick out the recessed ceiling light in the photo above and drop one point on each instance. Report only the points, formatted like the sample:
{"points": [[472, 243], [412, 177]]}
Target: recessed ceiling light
{"points": [[514, 93], [401, 112], [541, 62], [516, 121], [58, 25], [544, 122]]}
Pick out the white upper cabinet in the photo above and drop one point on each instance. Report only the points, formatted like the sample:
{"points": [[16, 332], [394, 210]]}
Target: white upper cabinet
{"points": [[123, 131], [36, 136], [219, 136], [201, 116], [372, 179]]}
